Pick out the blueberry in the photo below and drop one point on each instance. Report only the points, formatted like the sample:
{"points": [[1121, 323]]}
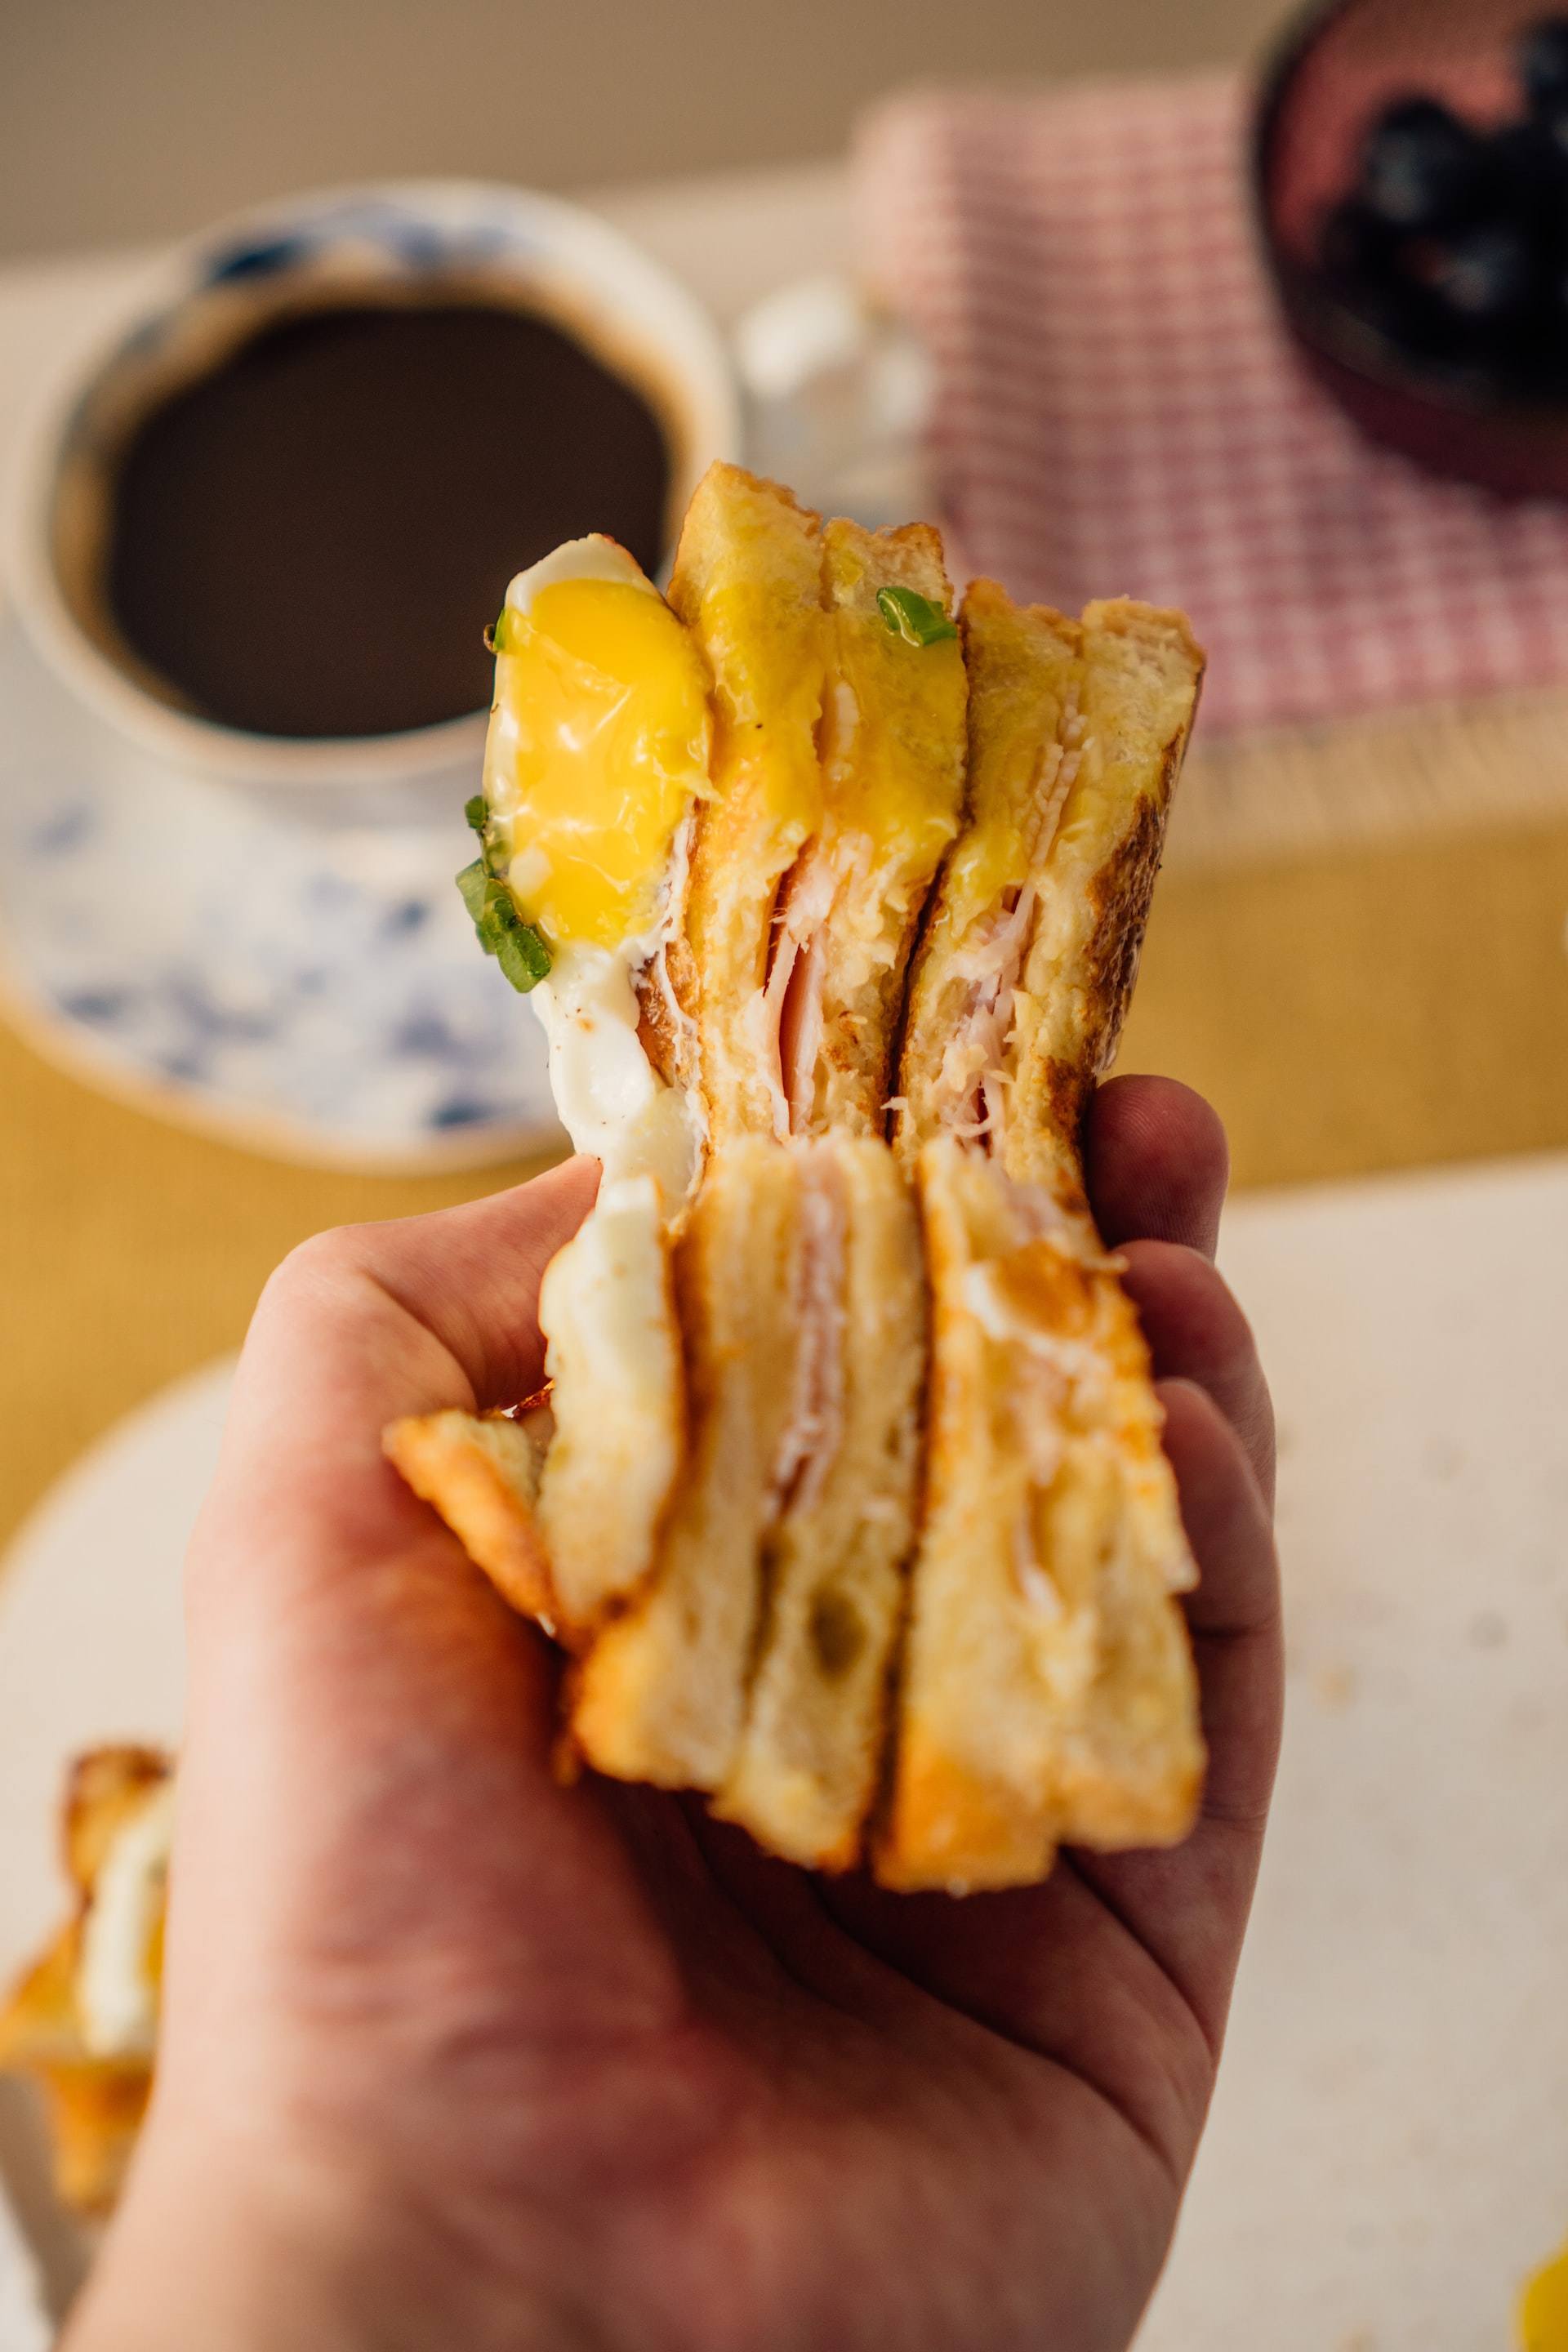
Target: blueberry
{"points": [[1355, 244], [1422, 168], [1543, 65], [1487, 275]]}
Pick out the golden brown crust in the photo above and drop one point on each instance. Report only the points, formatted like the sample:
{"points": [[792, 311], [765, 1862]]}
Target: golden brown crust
{"points": [[106, 1786], [95, 2114], [482, 1474], [1141, 679]]}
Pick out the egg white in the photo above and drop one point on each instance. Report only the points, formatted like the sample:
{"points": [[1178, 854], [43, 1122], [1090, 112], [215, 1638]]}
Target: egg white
{"points": [[612, 1354]]}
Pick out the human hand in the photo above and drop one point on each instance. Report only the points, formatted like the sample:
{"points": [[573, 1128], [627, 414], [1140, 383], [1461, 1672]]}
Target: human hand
{"points": [[455, 2056]]}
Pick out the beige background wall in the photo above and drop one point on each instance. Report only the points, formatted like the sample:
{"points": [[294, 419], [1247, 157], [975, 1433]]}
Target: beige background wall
{"points": [[122, 119]]}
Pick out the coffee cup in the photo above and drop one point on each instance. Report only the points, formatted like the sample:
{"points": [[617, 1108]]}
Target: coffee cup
{"points": [[502, 248]]}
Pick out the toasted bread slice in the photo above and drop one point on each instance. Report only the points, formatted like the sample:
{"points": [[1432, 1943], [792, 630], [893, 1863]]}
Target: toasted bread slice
{"points": [[481, 1473], [747, 582], [619, 1399], [894, 754], [1141, 677], [1077, 731], [807, 1765], [1047, 1691], [660, 1696]]}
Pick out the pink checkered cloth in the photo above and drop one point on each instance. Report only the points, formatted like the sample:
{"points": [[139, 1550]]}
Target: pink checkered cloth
{"points": [[1120, 410]]}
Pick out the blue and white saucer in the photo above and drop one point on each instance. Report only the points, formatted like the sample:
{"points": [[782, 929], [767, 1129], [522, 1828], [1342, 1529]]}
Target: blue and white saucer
{"points": [[308, 991]]}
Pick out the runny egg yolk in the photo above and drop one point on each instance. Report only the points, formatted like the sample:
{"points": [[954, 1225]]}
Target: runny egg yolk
{"points": [[606, 749]]}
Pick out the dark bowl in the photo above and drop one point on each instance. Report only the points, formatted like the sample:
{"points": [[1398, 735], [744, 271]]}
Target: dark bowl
{"points": [[1338, 66]]}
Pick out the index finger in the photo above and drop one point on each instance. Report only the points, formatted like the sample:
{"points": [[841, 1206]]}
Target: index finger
{"points": [[1158, 1163]]}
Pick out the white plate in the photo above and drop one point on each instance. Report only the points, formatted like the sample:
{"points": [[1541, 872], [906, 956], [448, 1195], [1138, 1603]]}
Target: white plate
{"points": [[309, 992], [1388, 2155], [90, 1642]]}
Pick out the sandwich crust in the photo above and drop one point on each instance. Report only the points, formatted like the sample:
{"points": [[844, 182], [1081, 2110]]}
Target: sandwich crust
{"points": [[481, 1473], [1141, 677]]}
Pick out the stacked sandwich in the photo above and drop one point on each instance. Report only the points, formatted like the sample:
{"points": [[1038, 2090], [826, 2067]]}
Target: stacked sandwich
{"points": [[846, 1495]]}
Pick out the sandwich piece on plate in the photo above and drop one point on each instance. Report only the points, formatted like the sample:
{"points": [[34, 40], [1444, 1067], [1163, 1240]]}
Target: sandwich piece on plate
{"points": [[839, 697], [754, 1663], [1047, 1691], [83, 2020]]}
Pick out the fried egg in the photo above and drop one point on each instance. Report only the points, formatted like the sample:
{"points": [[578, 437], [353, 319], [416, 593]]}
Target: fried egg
{"points": [[598, 752]]}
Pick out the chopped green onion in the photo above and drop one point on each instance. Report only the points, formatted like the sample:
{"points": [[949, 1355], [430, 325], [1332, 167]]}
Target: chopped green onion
{"points": [[497, 635], [474, 883], [523, 957], [475, 814], [918, 619], [518, 948]]}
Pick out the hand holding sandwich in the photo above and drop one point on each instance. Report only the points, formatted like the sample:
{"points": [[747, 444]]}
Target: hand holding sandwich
{"points": [[455, 2056]]}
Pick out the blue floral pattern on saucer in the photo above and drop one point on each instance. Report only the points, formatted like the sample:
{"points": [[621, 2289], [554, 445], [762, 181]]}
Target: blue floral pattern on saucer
{"points": [[314, 991]]}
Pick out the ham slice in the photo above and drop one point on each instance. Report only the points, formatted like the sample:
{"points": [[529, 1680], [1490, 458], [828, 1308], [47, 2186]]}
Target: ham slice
{"points": [[791, 998]]}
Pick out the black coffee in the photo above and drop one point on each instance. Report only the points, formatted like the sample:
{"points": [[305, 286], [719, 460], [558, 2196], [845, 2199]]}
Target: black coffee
{"points": [[310, 540]]}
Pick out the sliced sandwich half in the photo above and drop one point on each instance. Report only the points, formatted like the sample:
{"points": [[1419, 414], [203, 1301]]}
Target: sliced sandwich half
{"points": [[1048, 1692]]}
